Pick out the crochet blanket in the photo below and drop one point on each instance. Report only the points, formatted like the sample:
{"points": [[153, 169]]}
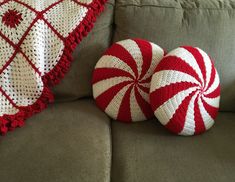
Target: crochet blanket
{"points": [[37, 38]]}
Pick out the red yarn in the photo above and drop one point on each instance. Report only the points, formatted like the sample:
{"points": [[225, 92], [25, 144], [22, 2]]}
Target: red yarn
{"points": [[185, 91], [12, 18], [121, 79], [10, 122]]}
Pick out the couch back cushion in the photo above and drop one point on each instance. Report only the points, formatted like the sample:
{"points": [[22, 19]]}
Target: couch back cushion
{"points": [[77, 82], [208, 24]]}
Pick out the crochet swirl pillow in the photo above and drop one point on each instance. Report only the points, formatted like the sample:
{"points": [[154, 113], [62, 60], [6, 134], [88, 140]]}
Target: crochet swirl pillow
{"points": [[185, 91], [121, 79], [37, 39]]}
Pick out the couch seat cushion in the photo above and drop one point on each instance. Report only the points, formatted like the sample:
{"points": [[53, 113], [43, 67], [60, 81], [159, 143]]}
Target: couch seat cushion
{"points": [[66, 142], [148, 152]]}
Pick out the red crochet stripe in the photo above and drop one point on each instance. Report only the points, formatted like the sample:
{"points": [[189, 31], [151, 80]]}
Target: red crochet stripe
{"points": [[10, 122]]}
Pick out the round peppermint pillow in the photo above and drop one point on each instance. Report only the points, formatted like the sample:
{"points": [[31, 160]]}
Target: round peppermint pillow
{"points": [[185, 91], [121, 79]]}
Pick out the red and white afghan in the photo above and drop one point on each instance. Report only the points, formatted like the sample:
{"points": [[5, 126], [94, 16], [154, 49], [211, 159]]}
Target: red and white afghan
{"points": [[185, 91], [121, 79], [36, 43]]}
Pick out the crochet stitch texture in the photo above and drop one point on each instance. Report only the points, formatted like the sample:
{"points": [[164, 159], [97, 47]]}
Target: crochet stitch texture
{"points": [[37, 39], [185, 91], [121, 79]]}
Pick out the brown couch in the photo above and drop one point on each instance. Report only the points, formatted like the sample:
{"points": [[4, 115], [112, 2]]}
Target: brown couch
{"points": [[73, 141]]}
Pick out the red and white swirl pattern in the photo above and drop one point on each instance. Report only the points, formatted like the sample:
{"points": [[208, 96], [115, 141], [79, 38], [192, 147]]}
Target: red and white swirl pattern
{"points": [[185, 91], [121, 79]]}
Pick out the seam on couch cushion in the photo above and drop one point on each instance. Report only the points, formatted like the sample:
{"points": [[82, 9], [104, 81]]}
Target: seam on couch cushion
{"points": [[172, 7], [111, 150], [181, 4]]}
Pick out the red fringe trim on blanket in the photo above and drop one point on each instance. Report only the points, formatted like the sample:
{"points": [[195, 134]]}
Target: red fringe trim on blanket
{"points": [[10, 122]]}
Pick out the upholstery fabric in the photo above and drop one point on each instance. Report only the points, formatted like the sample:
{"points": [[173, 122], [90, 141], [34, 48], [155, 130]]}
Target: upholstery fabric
{"points": [[148, 152], [208, 24], [77, 82], [67, 142]]}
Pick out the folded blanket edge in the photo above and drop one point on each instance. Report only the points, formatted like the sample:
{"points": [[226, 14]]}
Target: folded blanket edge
{"points": [[10, 122]]}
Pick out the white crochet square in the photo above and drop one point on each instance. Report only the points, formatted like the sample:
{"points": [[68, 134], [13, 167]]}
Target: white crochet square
{"points": [[15, 34], [85, 1], [39, 5], [43, 47], [5, 52], [6, 107], [64, 17], [20, 82]]}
